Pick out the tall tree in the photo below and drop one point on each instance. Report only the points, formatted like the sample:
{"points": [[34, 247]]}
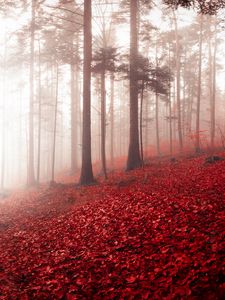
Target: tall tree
{"points": [[55, 126], [112, 79], [86, 176], [31, 177], [3, 114], [134, 158], [197, 149], [213, 95], [75, 102], [39, 114], [104, 60], [178, 86]]}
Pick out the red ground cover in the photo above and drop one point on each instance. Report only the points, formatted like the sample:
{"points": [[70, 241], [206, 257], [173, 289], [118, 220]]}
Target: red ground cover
{"points": [[153, 233]]}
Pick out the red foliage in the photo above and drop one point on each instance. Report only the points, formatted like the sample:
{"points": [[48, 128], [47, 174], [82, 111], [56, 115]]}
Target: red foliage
{"points": [[155, 233]]}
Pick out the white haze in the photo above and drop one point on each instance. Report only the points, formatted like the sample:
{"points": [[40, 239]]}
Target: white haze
{"points": [[14, 109]]}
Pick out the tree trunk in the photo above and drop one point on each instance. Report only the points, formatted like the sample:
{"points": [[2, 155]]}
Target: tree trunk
{"points": [[156, 105], [197, 147], [170, 113], [31, 177], [75, 106], [103, 123], [3, 117], [157, 122], [86, 176], [134, 159], [73, 119], [179, 125], [55, 125], [39, 116], [213, 108], [112, 120], [146, 110], [141, 123]]}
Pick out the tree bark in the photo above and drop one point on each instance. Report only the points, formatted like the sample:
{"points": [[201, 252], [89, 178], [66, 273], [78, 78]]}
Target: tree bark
{"points": [[103, 123], [75, 106], [31, 177], [86, 176], [39, 115], [213, 108], [3, 116], [134, 159], [141, 123], [170, 113], [179, 125], [197, 147], [55, 125], [112, 119], [73, 119], [157, 122]]}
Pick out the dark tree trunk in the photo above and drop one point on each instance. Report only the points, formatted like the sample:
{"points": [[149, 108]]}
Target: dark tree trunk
{"points": [[31, 177], [197, 147], [157, 122], [146, 111], [141, 123], [213, 106], [134, 159], [86, 176], [103, 123], [170, 125]]}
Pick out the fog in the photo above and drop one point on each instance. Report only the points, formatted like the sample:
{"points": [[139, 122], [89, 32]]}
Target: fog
{"points": [[180, 80]]}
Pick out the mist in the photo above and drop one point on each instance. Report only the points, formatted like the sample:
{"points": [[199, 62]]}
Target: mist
{"points": [[180, 87], [112, 149]]}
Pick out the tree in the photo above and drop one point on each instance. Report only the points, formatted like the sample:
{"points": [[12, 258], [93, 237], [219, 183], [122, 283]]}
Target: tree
{"points": [[134, 158], [31, 177], [104, 60], [197, 149], [86, 176], [55, 125], [75, 101], [212, 61], [206, 7], [178, 86], [39, 114]]}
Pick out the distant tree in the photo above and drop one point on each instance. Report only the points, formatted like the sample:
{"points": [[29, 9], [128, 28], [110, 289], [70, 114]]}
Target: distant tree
{"points": [[197, 147], [55, 126], [104, 61], [31, 176], [212, 77], [178, 86], [75, 99]]}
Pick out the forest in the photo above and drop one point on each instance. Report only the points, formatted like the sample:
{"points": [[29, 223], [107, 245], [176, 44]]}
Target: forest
{"points": [[112, 149]]}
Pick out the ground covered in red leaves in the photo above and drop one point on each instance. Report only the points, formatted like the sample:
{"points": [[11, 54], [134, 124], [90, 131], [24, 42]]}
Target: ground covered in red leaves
{"points": [[154, 233]]}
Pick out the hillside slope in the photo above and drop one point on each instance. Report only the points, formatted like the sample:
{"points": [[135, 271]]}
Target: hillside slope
{"points": [[153, 233]]}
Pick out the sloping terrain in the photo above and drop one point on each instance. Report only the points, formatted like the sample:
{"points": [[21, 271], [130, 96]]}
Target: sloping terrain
{"points": [[153, 233]]}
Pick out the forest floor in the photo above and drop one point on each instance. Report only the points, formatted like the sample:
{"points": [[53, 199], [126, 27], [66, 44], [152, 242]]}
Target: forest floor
{"points": [[153, 233]]}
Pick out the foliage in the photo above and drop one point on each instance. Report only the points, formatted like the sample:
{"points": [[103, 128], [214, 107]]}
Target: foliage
{"points": [[206, 7], [155, 233], [104, 59]]}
